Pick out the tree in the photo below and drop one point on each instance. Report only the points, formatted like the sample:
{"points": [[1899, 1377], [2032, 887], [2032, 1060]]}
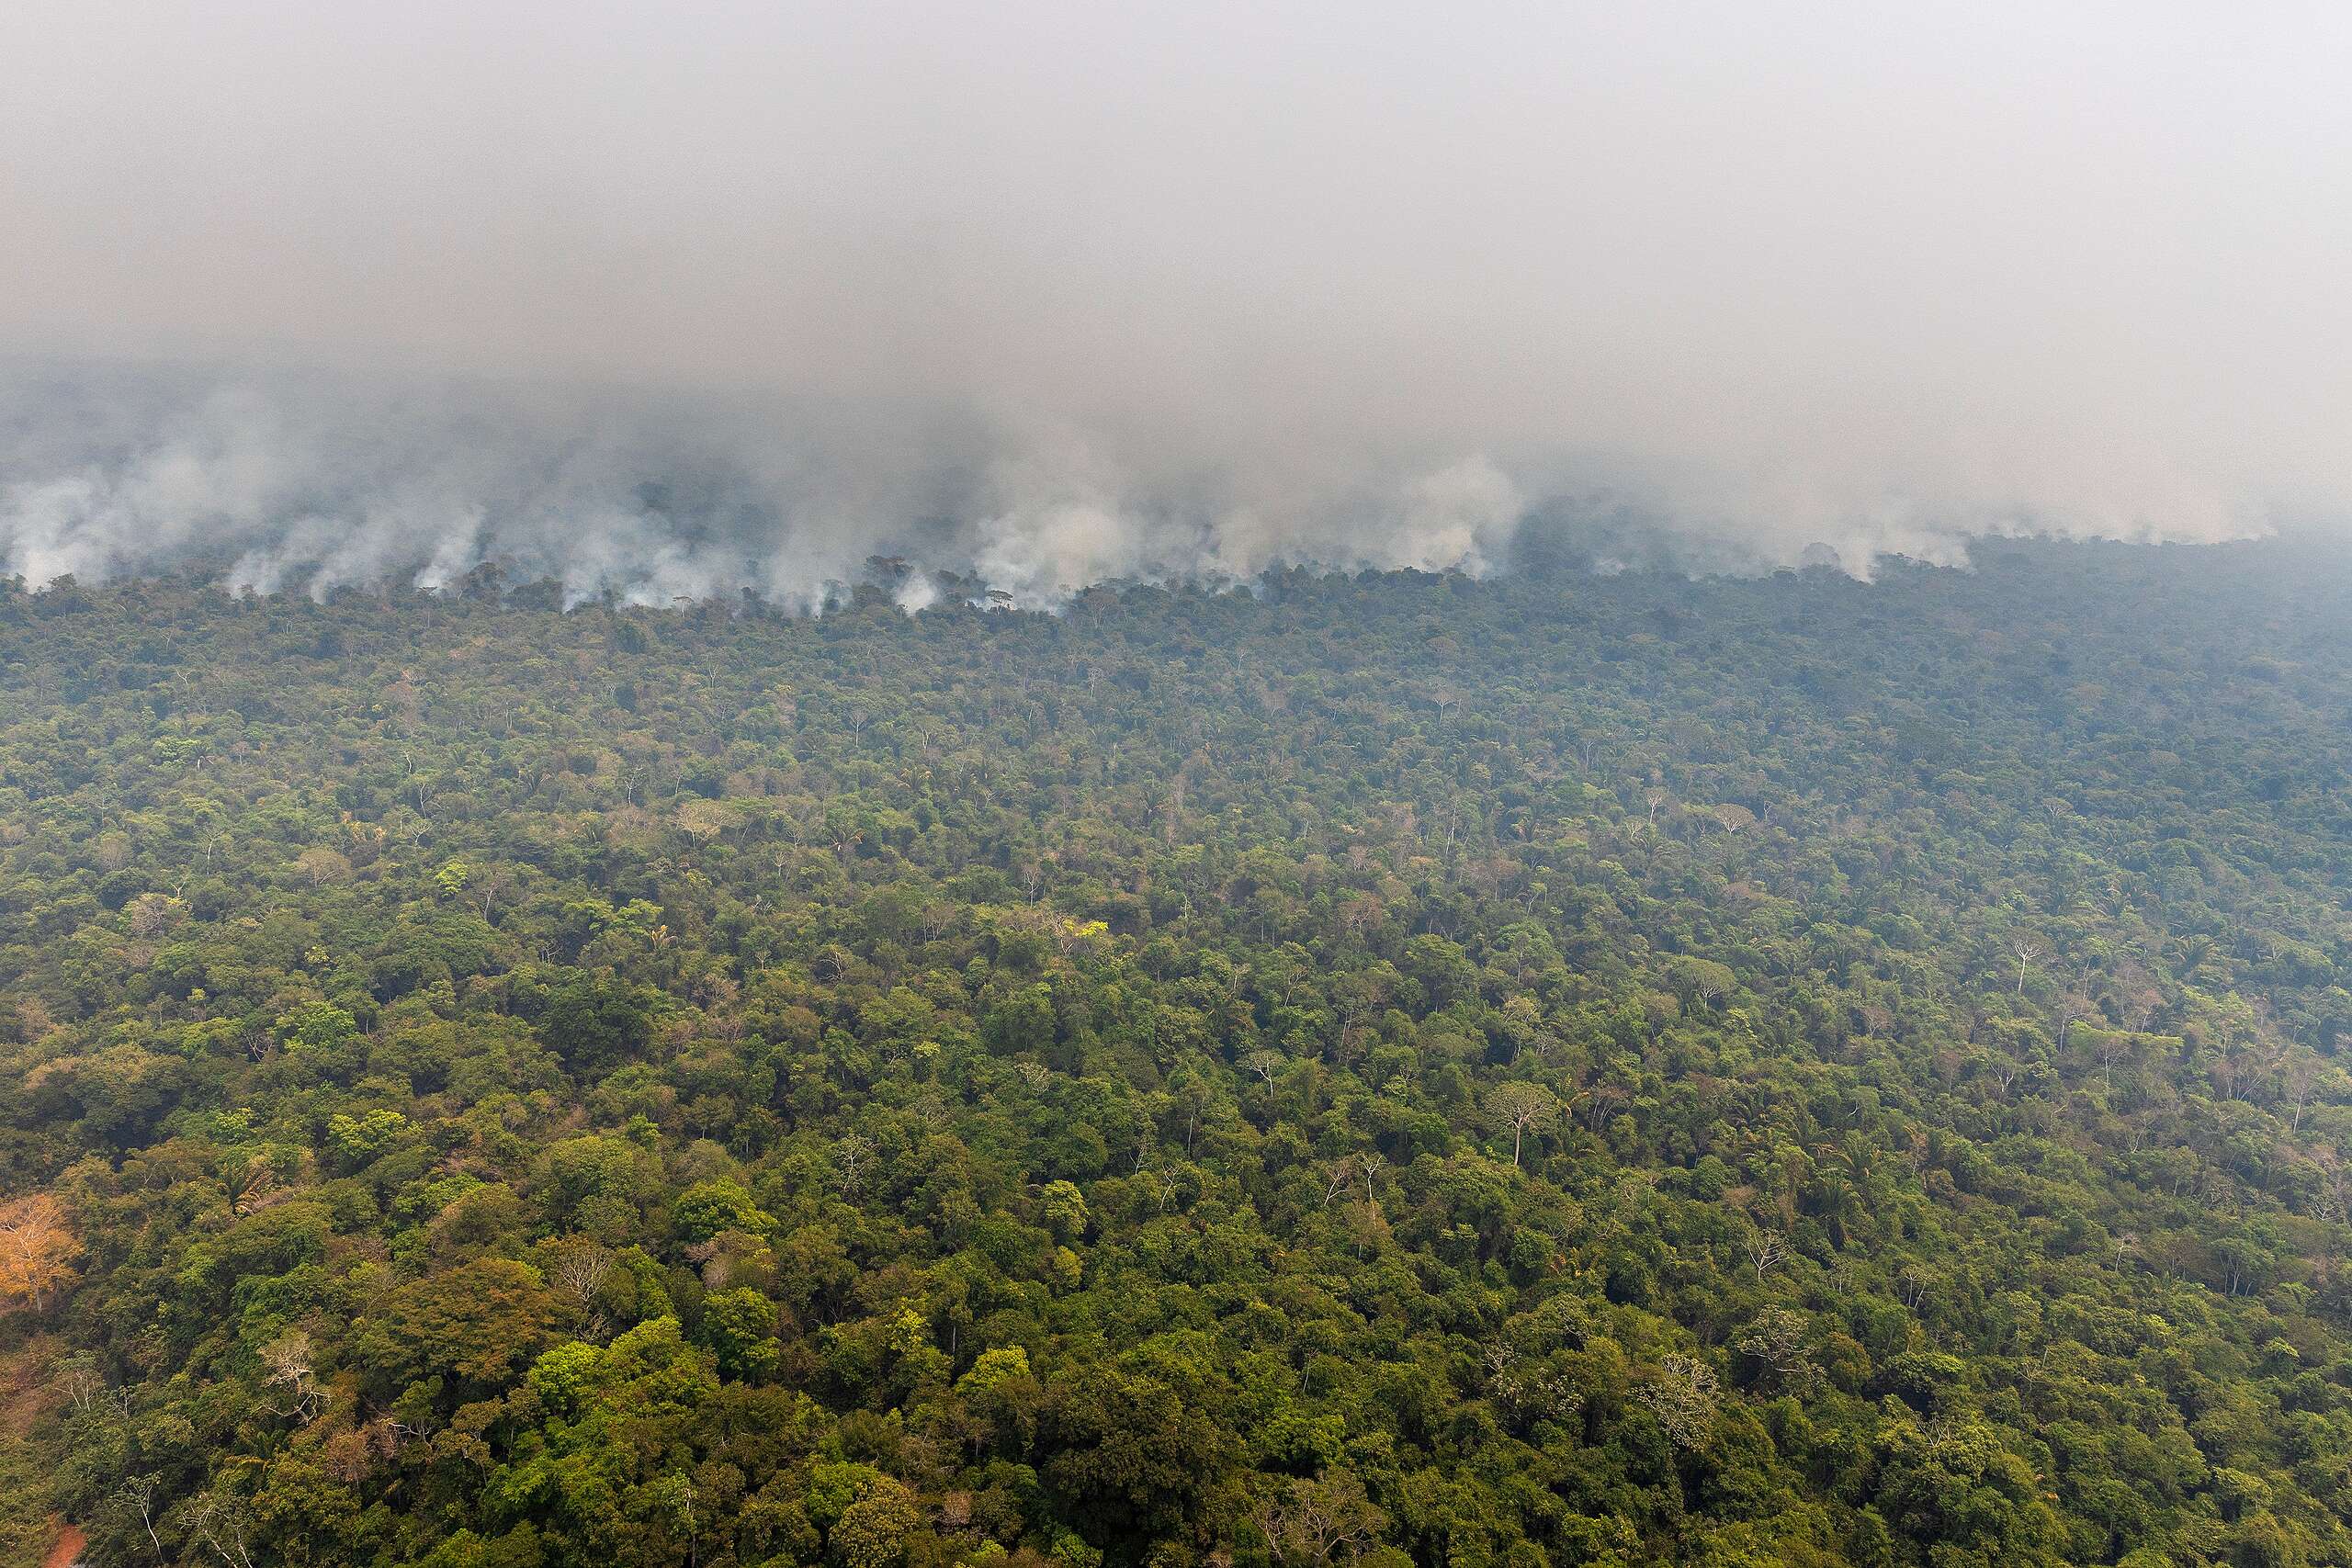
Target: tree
{"points": [[317, 1027], [1127, 1451], [1681, 1392], [853, 1155], [289, 1372], [1065, 1212], [136, 1495], [2028, 949], [577, 1269], [1520, 1106], [708, 1208], [596, 1023], [224, 1525], [1775, 1338], [480, 1321], [1702, 979], [1321, 1520], [37, 1249], [320, 865], [740, 1326], [872, 1532]]}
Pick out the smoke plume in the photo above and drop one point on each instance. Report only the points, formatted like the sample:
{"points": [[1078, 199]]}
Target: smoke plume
{"points": [[689, 299]]}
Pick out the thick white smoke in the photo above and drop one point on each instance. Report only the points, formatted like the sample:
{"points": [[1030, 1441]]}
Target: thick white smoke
{"points": [[321, 483], [1040, 293], [317, 482]]}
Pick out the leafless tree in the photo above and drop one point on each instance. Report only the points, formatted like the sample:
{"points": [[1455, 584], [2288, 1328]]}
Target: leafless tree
{"points": [[152, 914], [578, 1267], [1683, 1394], [1775, 1337], [1767, 1249], [1528, 1395], [79, 1380], [323, 865], [287, 1369], [1320, 1521], [137, 1495], [2334, 1200], [1342, 1174], [1911, 1286], [2028, 949], [2225, 1073], [851, 1155], [2074, 1007], [2303, 1078], [221, 1523], [1520, 1106], [1523, 1022]]}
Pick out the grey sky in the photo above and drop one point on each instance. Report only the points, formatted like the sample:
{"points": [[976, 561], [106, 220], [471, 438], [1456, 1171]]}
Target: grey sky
{"points": [[1796, 264]]}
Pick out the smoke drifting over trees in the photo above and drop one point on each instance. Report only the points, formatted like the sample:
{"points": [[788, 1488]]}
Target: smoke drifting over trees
{"points": [[320, 483], [1047, 294]]}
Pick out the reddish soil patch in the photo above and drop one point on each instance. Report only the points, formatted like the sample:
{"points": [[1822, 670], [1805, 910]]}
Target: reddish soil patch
{"points": [[68, 1550]]}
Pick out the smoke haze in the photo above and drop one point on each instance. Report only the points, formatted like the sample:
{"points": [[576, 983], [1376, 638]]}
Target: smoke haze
{"points": [[679, 299]]}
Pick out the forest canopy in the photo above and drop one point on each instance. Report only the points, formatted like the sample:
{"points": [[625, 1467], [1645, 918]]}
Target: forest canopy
{"points": [[1394, 1069]]}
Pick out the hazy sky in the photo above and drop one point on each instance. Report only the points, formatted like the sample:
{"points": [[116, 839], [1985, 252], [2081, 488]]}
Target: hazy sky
{"points": [[1816, 270]]}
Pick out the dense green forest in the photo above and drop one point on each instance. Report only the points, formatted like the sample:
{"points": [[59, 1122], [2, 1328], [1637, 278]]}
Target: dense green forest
{"points": [[1559, 1070]]}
